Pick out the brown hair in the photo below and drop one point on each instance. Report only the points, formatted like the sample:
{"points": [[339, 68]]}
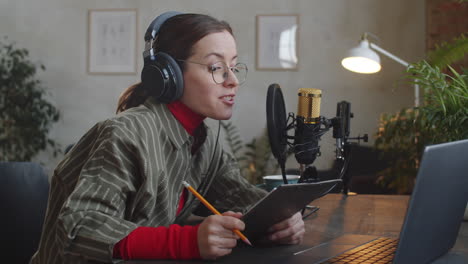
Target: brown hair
{"points": [[176, 37]]}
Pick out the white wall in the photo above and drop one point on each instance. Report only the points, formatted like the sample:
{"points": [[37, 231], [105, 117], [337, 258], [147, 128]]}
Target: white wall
{"points": [[55, 33]]}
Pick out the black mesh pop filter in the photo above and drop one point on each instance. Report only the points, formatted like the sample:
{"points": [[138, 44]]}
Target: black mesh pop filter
{"points": [[276, 123]]}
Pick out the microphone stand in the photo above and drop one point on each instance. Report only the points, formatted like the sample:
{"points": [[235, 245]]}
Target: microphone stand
{"points": [[346, 177], [283, 171], [308, 173], [345, 157]]}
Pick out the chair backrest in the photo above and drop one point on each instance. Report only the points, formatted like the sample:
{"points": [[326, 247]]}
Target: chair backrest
{"points": [[24, 190]]}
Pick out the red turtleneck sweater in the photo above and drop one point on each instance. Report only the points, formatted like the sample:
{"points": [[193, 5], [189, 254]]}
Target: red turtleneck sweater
{"points": [[175, 241]]}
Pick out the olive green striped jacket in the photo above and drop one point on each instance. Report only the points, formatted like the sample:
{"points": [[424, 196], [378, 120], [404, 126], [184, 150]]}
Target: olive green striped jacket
{"points": [[127, 172]]}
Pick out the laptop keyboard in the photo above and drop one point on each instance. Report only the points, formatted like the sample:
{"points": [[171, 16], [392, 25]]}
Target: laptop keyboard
{"points": [[380, 251]]}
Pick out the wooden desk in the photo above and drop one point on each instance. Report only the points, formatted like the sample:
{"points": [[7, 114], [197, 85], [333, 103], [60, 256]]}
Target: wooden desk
{"points": [[360, 214], [365, 214]]}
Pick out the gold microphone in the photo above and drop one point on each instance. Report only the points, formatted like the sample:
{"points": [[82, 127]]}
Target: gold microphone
{"points": [[307, 130], [308, 106]]}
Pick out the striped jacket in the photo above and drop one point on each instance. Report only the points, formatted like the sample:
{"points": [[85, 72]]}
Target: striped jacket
{"points": [[127, 172]]}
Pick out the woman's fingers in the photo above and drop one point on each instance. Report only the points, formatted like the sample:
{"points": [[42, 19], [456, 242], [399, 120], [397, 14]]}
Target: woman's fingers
{"points": [[289, 231], [215, 235]]}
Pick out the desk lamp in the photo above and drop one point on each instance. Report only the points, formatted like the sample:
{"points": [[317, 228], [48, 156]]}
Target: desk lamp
{"points": [[364, 59]]}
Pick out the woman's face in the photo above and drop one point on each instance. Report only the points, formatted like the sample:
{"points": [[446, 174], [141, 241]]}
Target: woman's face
{"points": [[201, 94]]}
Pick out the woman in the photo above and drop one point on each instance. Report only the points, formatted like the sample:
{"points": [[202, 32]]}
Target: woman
{"points": [[118, 193]]}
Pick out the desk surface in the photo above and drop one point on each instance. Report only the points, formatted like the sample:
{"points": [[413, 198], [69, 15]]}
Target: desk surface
{"points": [[360, 214]]}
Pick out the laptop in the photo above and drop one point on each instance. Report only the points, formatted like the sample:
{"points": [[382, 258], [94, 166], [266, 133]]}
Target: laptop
{"points": [[432, 220]]}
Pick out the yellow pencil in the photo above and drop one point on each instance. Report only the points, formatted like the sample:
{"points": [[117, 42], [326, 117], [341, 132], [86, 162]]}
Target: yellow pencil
{"points": [[212, 209]]}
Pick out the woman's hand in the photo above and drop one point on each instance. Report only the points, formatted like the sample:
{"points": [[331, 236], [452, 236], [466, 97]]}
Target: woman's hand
{"points": [[215, 236], [289, 231]]}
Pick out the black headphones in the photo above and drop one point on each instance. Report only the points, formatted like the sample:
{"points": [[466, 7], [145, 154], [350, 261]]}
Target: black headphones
{"points": [[161, 75]]}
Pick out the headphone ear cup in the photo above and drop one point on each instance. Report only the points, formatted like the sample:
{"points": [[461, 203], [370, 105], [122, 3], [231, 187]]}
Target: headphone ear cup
{"points": [[163, 77]]}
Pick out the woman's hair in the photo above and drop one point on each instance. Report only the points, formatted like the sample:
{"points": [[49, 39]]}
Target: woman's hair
{"points": [[176, 37]]}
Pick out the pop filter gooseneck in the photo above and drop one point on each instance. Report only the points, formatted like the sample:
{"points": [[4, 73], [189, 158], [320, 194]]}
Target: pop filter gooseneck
{"points": [[276, 125]]}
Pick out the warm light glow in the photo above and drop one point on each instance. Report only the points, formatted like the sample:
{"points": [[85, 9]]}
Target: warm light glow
{"points": [[362, 59], [361, 65]]}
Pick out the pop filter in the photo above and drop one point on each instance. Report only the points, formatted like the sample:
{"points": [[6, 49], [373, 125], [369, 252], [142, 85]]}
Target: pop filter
{"points": [[276, 123]]}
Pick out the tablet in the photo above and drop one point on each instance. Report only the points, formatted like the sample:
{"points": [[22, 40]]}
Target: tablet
{"points": [[282, 203]]}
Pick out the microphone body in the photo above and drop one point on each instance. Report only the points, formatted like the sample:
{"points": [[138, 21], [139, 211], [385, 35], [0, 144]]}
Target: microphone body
{"points": [[343, 113], [341, 126], [307, 132]]}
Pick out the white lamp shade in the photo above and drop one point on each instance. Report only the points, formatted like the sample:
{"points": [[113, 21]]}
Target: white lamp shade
{"points": [[362, 59]]}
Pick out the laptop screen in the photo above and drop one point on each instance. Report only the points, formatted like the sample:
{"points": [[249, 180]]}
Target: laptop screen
{"points": [[437, 204]]}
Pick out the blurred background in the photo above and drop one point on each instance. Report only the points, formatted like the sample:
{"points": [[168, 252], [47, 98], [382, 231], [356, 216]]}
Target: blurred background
{"points": [[56, 35]]}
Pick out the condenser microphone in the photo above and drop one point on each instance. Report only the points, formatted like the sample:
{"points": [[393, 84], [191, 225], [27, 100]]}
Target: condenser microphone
{"points": [[307, 132], [341, 126]]}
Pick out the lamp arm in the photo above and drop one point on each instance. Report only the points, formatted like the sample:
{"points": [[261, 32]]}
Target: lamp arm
{"points": [[388, 54], [402, 62]]}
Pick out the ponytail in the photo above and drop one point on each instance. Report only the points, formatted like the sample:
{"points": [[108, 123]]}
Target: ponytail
{"points": [[131, 97]]}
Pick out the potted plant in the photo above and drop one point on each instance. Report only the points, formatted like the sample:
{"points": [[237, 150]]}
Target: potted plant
{"points": [[25, 114], [442, 117]]}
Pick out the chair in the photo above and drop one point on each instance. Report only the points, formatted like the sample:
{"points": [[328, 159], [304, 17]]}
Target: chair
{"points": [[24, 190]]}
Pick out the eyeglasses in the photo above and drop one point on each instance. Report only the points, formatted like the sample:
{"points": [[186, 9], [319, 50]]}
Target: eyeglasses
{"points": [[220, 71]]}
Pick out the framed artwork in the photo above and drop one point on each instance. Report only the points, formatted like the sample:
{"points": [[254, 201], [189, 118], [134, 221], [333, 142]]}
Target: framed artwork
{"points": [[112, 38], [277, 41]]}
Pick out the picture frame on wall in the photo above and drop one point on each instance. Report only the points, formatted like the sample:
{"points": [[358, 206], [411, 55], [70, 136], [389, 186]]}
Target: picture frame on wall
{"points": [[112, 41], [277, 42]]}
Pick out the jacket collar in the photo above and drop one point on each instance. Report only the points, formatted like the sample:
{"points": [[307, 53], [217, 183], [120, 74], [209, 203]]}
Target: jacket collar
{"points": [[170, 125]]}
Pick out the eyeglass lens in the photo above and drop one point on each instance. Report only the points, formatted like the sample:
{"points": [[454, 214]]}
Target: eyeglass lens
{"points": [[220, 72]]}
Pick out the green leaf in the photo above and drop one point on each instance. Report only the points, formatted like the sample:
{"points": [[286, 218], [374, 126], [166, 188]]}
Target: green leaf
{"points": [[449, 53], [25, 115]]}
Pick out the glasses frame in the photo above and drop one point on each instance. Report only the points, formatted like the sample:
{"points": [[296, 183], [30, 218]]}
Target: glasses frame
{"points": [[230, 68]]}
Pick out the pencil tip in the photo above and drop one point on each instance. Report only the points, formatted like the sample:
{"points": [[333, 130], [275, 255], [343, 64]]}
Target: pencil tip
{"points": [[247, 242]]}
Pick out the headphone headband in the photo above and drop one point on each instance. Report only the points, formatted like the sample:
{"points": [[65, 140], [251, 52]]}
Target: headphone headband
{"points": [[153, 28]]}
